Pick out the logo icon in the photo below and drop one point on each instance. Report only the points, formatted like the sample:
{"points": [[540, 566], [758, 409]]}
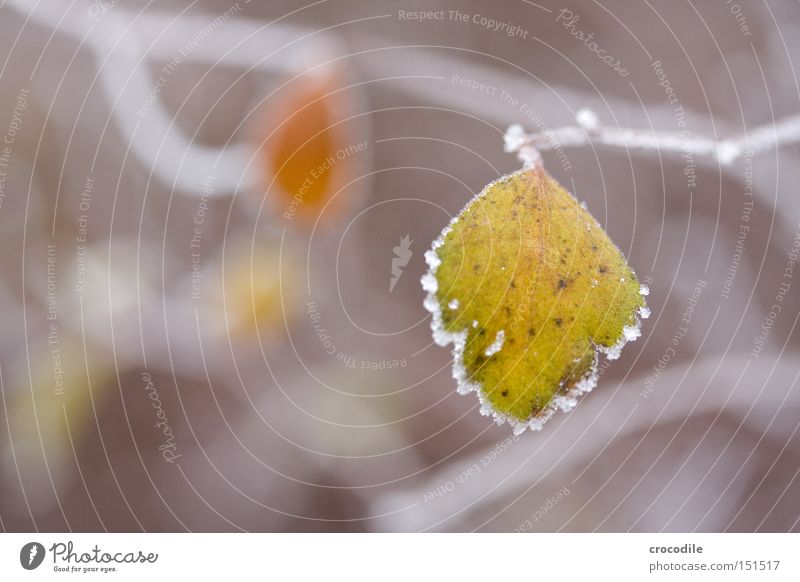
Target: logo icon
{"points": [[402, 254], [31, 555]]}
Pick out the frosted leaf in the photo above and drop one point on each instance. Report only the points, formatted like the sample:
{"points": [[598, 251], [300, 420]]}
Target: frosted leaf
{"points": [[644, 290], [551, 297]]}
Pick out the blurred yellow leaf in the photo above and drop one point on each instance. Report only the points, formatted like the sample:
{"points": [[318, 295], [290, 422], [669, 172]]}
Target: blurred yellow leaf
{"points": [[260, 286], [53, 412]]}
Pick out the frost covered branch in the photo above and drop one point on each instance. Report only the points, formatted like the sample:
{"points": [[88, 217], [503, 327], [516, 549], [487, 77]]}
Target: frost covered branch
{"points": [[126, 41], [589, 131]]}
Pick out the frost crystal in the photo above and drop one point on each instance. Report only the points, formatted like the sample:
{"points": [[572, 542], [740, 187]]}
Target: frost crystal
{"points": [[497, 344], [629, 333], [587, 119], [453, 304], [632, 332], [514, 137], [529, 156]]}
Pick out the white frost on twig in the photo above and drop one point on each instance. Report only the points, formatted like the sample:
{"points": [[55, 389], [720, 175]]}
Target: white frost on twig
{"points": [[590, 131]]}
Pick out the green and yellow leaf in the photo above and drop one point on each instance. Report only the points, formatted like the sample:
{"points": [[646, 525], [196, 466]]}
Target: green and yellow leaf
{"points": [[529, 289]]}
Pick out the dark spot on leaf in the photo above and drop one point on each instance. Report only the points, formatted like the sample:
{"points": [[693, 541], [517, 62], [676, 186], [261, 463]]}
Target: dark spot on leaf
{"points": [[602, 268], [558, 321], [504, 393], [562, 283]]}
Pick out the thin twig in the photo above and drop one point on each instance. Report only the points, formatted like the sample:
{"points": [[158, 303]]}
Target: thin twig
{"points": [[589, 131]]}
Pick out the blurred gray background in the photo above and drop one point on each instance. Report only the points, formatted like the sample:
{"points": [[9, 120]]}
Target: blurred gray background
{"points": [[261, 375]]}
